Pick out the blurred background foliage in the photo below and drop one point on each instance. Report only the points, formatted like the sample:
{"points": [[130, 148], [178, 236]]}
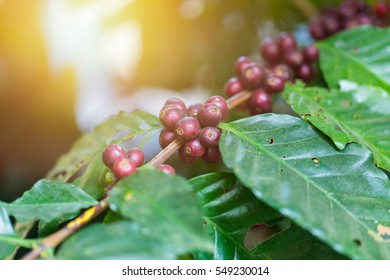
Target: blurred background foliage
{"points": [[184, 44]]}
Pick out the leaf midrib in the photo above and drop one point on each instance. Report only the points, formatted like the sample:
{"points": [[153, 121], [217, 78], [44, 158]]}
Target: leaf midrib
{"points": [[284, 163]]}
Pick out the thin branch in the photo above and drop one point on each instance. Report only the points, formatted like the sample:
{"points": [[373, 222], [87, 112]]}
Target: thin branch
{"points": [[238, 99], [166, 153], [56, 238], [87, 216]]}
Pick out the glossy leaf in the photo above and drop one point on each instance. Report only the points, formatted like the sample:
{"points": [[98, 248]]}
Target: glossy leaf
{"points": [[359, 54], [295, 243], [115, 129], [6, 229], [339, 196], [48, 200], [164, 206], [9, 240], [5, 223], [231, 210], [92, 181], [360, 115], [118, 240]]}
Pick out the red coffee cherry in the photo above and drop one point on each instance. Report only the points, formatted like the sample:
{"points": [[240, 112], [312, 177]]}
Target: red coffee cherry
{"points": [[212, 155], [311, 53], [167, 169], [184, 156], [209, 137], [273, 83], [221, 103], [270, 50], [287, 42], [123, 168], [240, 64], [253, 75], [187, 128], [194, 148], [283, 71], [111, 154], [233, 86], [170, 115], [210, 115], [136, 156], [193, 109], [306, 73], [293, 58], [166, 137], [316, 29], [176, 102], [260, 102]]}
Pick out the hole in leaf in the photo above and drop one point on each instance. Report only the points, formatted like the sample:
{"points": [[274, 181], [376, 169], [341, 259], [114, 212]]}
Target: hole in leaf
{"points": [[259, 233], [271, 141], [357, 242], [384, 231], [315, 160]]}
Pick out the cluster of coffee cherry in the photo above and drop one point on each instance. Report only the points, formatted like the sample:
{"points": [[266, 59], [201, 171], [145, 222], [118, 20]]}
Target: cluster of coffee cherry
{"points": [[123, 164], [195, 126], [283, 61], [349, 14]]}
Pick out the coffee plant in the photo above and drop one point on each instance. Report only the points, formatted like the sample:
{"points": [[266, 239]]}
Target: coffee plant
{"points": [[310, 185]]}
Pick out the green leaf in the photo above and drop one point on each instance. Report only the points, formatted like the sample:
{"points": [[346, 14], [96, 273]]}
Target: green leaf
{"points": [[48, 200], [339, 196], [295, 243], [6, 229], [9, 241], [17, 241], [359, 54], [118, 240], [115, 129], [92, 181], [359, 115], [164, 206], [47, 228], [232, 210], [5, 223]]}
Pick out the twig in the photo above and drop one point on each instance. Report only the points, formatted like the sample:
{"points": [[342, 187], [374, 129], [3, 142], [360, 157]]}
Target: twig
{"points": [[238, 99], [56, 238], [166, 153], [306, 7], [87, 216]]}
